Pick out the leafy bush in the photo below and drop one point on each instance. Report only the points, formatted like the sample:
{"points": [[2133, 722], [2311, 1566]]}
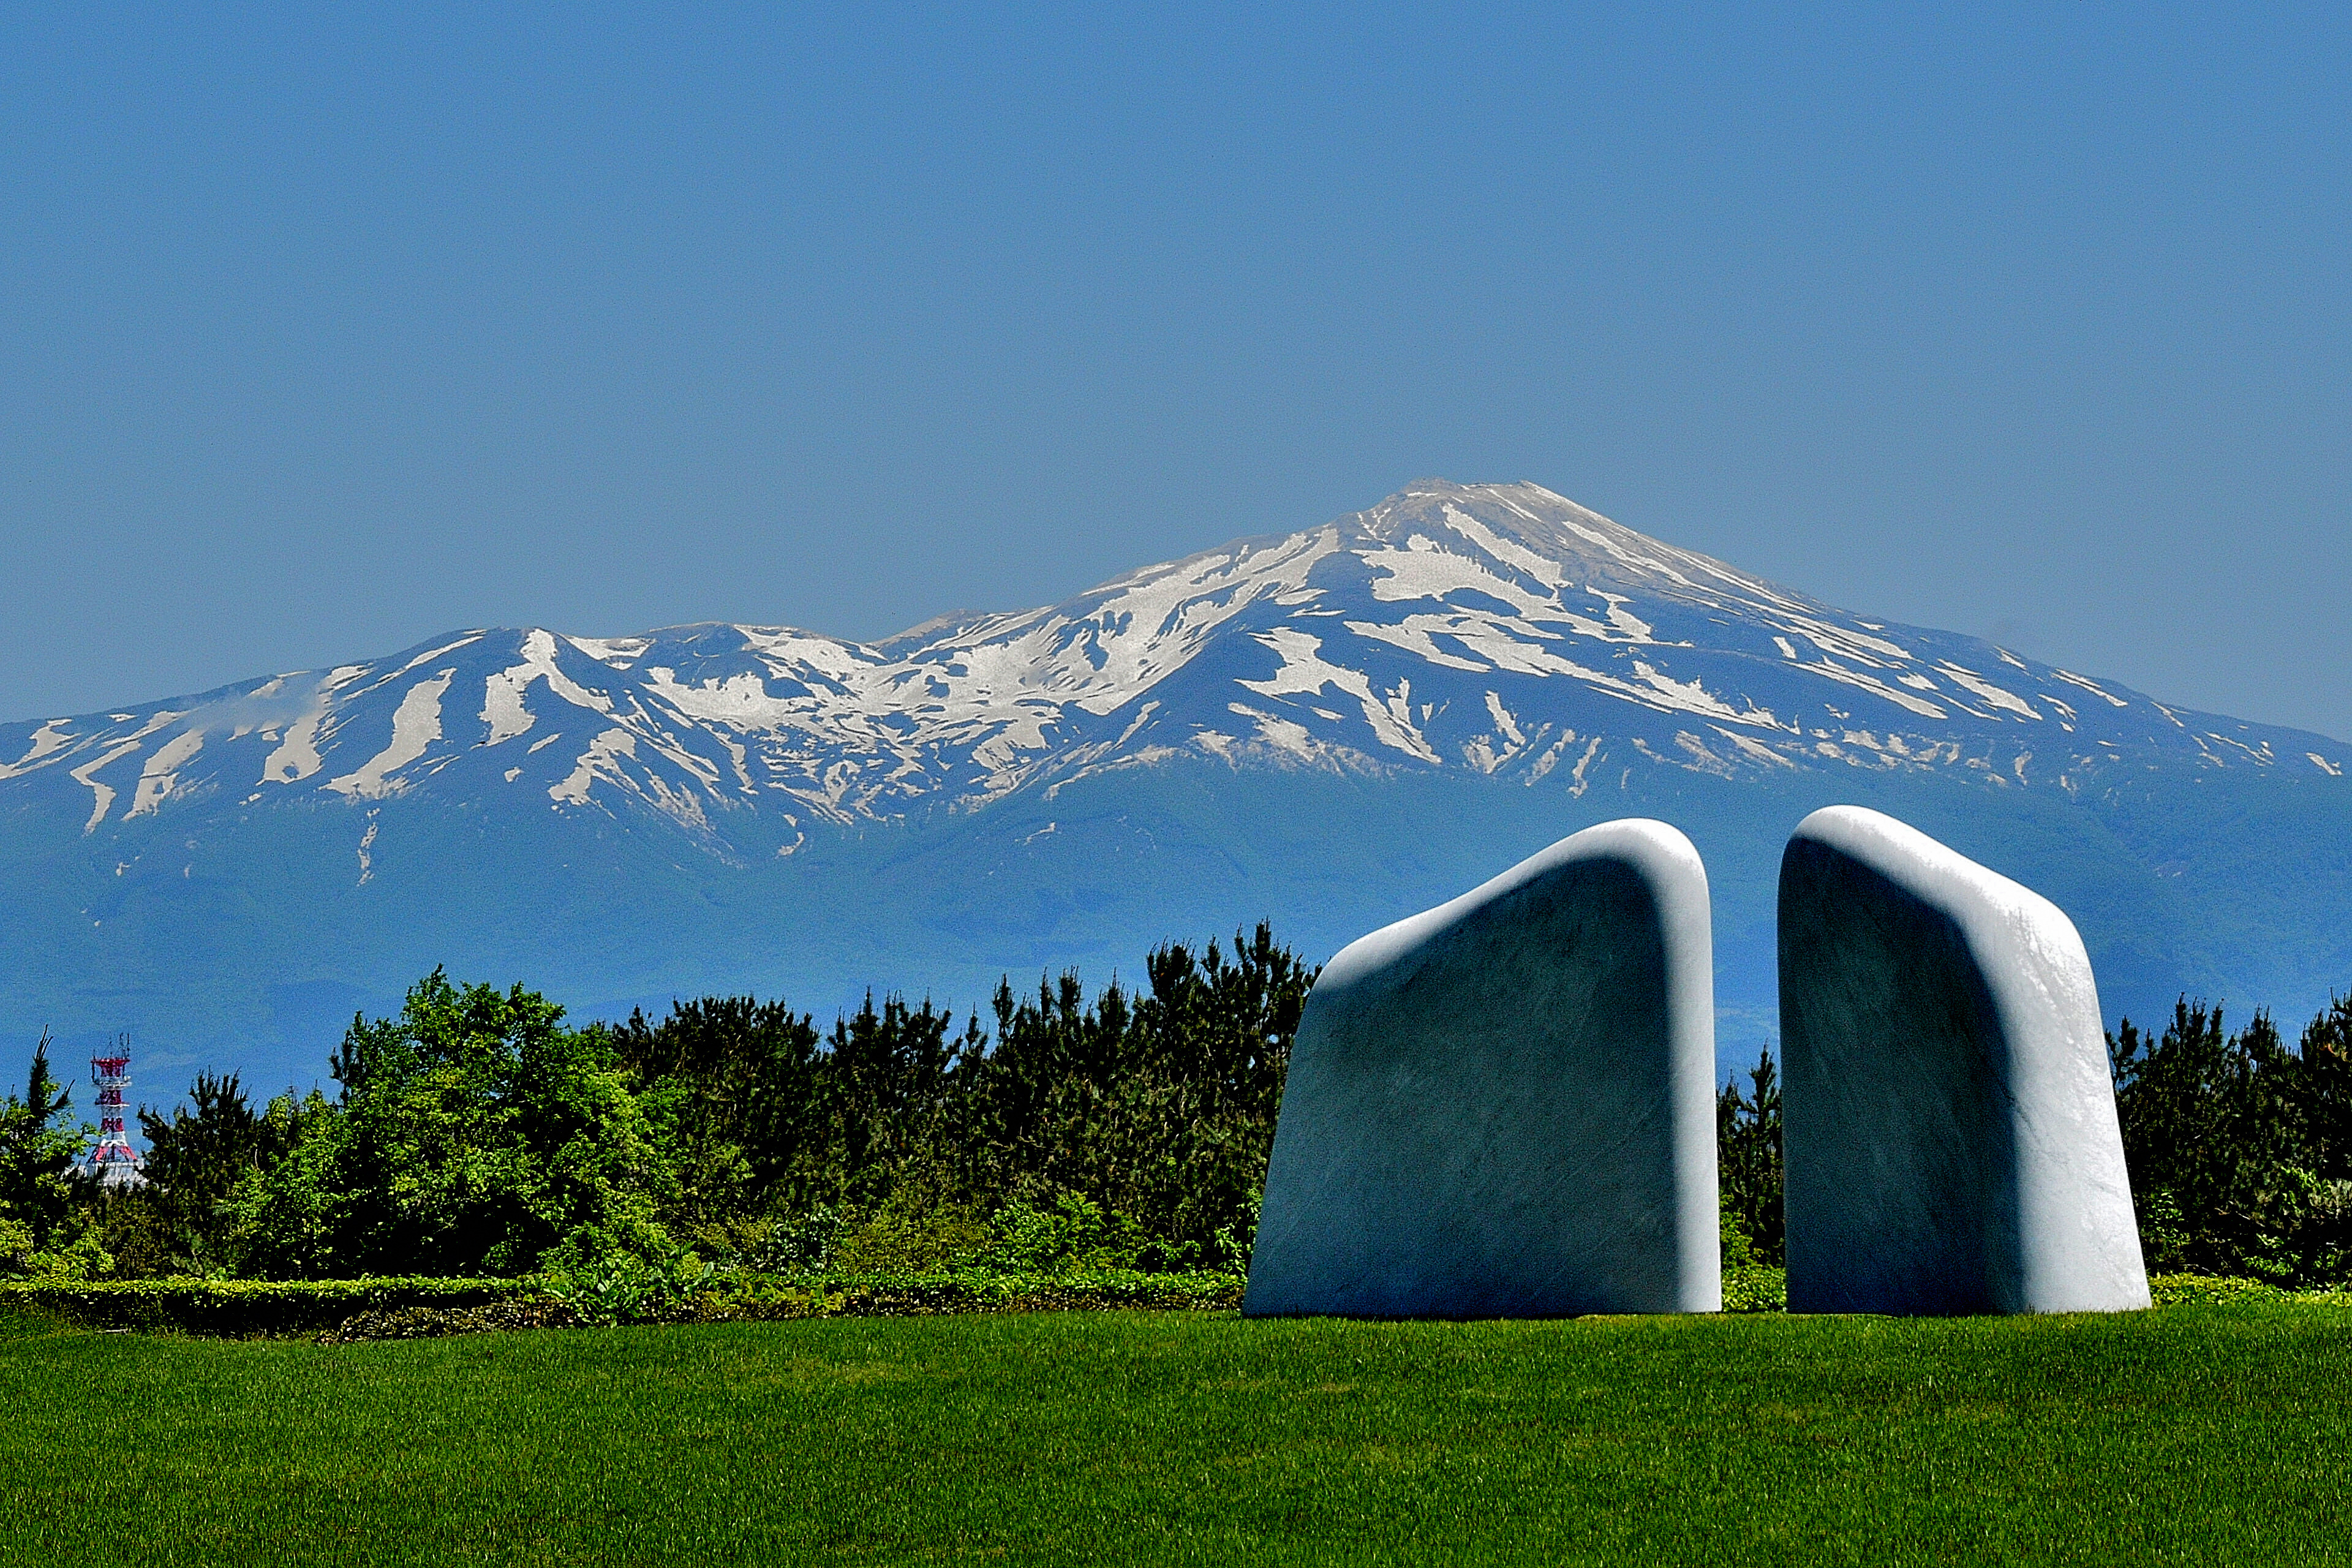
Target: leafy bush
{"points": [[770, 1245], [473, 1135], [79, 1254], [973, 1290], [1074, 1234], [1738, 1251], [426, 1322], [16, 1247], [912, 1231], [2210, 1291], [621, 1288], [1755, 1288]]}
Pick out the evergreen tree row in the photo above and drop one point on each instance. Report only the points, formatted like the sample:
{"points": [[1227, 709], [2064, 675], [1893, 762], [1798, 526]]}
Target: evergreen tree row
{"points": [[2240, 1147], [476, 1133]]}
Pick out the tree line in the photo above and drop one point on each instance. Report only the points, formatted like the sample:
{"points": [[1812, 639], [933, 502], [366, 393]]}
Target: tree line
{"points": [[476, 1132], [2239, 1145]]}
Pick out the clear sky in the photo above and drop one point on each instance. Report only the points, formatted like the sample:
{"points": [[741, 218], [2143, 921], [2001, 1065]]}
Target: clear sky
{"points": [[325, 329]]}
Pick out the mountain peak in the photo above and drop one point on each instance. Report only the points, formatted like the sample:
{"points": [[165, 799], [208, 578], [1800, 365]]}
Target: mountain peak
{"points": [[1546, 538]]}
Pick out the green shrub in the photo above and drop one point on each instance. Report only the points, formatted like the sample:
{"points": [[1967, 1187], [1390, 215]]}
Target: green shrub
{"points": [[1738, 1250], [909, 1233], [1075, 1233], [912, 1234], [2210, 1291], [623, 1289], [473, 1135], [78, 1251], [1755, 1288], [16, 1247], [805, 1241]]}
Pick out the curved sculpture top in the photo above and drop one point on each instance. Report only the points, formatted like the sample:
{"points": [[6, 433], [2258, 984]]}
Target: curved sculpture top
{"points": [[1505, 1106], [1949, 1122]]}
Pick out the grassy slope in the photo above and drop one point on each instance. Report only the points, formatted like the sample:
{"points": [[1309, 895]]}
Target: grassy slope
{"points": [[2210, 1435]]}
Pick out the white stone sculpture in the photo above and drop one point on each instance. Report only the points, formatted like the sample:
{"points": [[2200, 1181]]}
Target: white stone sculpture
{"points": [[1948, 1121], [1503, 1107]]}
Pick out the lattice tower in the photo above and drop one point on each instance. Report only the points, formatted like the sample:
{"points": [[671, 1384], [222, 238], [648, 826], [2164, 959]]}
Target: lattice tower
{"points": [[113, 1162]]}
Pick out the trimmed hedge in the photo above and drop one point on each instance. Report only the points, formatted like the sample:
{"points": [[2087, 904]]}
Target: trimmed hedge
{"points": [[1756, 1288], [435, 1323], [409, 1307], [242, 1308], [921, 1295]]}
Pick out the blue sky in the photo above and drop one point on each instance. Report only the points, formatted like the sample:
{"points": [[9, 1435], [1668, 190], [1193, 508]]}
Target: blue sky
{"points": [[323, 331]]}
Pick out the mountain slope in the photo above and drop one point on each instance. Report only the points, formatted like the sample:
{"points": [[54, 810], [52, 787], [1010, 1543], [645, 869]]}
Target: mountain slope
{"points": [[1417, 693]]}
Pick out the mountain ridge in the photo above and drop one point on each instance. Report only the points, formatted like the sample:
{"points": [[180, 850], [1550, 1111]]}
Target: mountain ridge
{"points": [[979, 705]]}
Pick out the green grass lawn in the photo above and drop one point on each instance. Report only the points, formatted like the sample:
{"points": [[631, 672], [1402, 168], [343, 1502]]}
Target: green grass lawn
{"points": [[2217, 1435]]}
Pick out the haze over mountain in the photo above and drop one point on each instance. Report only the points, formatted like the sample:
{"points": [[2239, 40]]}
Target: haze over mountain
{"points": [[1330, 729]]}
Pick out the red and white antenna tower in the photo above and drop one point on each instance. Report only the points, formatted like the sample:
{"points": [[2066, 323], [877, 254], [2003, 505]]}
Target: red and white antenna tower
{"points": [[113, 1162]]}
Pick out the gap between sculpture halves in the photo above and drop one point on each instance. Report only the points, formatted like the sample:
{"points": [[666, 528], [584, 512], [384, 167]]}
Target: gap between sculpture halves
{"points": [[1505, 1106]]}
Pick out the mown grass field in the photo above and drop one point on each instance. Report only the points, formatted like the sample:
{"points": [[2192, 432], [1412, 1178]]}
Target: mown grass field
{"points": [[2207, 1435]]}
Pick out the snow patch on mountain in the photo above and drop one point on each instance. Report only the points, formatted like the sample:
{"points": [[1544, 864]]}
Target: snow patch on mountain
{"points": [[162, 773], [416, 725], [87, 775], [601, 759], [52, 736]]}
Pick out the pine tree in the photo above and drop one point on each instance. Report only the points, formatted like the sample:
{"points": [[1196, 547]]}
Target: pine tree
{"points": [[1747, 1159], [37, 1157]]}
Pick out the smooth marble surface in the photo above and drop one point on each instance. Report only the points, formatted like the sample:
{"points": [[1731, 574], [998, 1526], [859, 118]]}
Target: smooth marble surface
{"points": [[1503, 1107], [1949, 1123]]}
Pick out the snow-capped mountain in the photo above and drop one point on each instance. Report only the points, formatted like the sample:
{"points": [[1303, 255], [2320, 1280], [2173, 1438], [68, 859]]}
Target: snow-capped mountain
{"points": [[714, 778], [1498, 628]]}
